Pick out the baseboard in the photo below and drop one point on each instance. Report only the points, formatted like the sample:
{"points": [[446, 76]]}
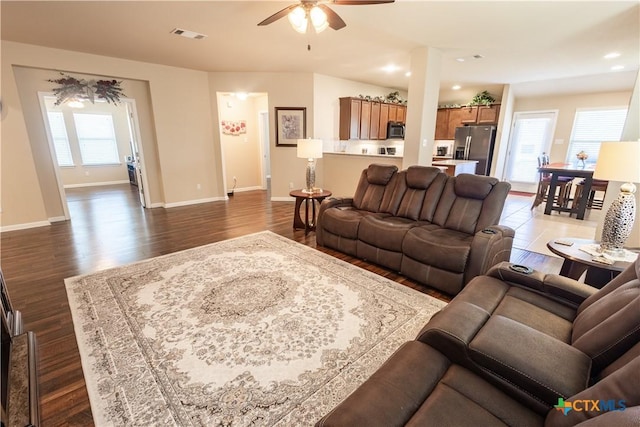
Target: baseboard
{"points": [[194, 202], [283, 199], [156, 205], [24, 226], [58, 219], [240, 190], [96, 184]]}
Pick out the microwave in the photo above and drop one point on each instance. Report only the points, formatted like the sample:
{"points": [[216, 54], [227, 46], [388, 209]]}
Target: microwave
{"points": [[395, 130]]}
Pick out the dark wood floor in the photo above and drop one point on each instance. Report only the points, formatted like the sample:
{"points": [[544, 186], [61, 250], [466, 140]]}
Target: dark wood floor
{"points": [[109, 228]]}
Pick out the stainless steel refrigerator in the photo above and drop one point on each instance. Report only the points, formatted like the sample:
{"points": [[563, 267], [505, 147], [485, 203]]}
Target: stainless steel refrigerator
{"points": [[475, 143]]}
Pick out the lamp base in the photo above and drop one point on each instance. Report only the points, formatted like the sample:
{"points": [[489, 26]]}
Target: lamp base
{"points": [[310, 176], [619, 220]]}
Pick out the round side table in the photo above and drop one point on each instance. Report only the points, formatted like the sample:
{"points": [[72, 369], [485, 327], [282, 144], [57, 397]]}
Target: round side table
{"points": [[577, 262], [309, 223]]}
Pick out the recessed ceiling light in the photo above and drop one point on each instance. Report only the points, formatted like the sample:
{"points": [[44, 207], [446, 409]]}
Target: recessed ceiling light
{"points": [[460, 59], [617, 68], [408, 74], [612, 55], [456, 87], [390, 68], [242, 96], [477, 56]]}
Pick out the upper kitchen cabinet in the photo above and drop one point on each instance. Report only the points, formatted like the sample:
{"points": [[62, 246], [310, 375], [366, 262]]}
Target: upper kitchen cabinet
{"points": [[488, 114], [350, 118], [397, 113], [448, 119], [363, 119], [442, 124]]}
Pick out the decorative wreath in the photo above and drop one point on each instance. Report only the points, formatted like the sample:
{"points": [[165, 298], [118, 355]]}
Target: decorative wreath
{"points": [[72, 88]]}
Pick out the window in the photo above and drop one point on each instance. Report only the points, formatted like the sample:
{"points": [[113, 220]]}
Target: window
{"points": [[591, 127], [97, 139], [60, 138]]}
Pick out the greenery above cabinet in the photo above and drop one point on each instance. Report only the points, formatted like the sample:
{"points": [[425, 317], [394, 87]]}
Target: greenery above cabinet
{"points": [[364, 119]]}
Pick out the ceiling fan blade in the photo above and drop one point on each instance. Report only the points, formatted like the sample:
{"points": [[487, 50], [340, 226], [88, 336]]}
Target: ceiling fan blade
{"points": [[278, 15], [333, 19], [359, 2]]}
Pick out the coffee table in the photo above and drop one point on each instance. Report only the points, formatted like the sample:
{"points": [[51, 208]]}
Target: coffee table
{"points": [[576, 262], [309, 223]]}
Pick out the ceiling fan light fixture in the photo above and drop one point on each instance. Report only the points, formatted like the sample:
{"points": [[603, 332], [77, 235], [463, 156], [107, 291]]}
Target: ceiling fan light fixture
{"points": [[298, 19], [318, 19]]}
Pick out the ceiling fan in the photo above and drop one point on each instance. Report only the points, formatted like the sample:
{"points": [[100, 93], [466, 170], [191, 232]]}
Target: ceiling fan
{"points": [[317, 13]]}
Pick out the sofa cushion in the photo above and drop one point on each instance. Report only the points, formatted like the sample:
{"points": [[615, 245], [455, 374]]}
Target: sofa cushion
{"points": [[385, 232], [376, 187], [344, 222], [444, 248], [610, 326], [470, 187]]}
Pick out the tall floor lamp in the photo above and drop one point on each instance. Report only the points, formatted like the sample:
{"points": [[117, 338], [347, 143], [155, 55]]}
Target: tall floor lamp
{"points": [[619, 161], [310, 149]]}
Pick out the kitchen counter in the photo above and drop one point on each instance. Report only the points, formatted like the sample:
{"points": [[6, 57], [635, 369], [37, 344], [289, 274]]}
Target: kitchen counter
{"points": [[344, 153], [456, 167]]}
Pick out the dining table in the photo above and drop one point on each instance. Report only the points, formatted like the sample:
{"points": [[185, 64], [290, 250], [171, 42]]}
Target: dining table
{"points": [[575, 170]]}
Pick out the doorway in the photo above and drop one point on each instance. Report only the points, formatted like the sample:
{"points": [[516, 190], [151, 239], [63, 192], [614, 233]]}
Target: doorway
{"points": [[244, 141], [96, 145], [531, 136]]}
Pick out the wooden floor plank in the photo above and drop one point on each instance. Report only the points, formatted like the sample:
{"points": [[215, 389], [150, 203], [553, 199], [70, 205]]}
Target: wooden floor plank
{"points": [[108, 229]]}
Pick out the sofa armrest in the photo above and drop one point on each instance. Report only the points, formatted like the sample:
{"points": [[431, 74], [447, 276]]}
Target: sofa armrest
{"points": [[559, 288], [452, 329], [489, 247], [546, 368], [328, 203]]}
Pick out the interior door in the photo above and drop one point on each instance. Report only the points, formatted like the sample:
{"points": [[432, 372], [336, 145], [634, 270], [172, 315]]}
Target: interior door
{"points": [[137, 154], [531, 136]]}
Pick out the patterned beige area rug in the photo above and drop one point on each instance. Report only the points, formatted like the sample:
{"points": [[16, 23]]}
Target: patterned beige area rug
{"points": [[258, 330]]}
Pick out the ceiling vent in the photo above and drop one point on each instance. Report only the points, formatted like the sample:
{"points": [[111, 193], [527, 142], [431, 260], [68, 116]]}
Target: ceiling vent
{"points": [[188, 34]]}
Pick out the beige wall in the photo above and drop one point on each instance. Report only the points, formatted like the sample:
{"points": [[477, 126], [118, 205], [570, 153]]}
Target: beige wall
{"points": [[179, 109], [567, 106], [241, 153], [342, 171], [283, 90]]}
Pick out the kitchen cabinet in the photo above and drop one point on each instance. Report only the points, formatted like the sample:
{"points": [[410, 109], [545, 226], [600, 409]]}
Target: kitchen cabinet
{"points": [[362, 119], [442, 124], [488, 114], [350, 118], [384, 119], [365, 119], [374, 123], [448, 119]]}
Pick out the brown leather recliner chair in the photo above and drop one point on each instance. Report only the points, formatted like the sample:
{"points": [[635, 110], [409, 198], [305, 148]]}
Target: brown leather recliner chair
{"points": [[506, 349]]}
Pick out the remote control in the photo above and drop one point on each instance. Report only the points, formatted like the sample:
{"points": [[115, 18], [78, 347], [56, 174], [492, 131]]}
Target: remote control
{"points": [[563, 242]]}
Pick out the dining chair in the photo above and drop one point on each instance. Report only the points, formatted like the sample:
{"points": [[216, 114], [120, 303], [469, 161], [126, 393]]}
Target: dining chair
{"points": [[592, 202], [561, 198]]}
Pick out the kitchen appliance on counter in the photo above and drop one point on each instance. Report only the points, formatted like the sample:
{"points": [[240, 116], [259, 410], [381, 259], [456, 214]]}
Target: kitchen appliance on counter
{"points": [[475, 143], [395, 130], [442, 151]]}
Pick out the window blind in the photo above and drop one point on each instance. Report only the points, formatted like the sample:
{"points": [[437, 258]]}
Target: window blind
{"points": [[60, 138], [97, 139], [591, 127]]}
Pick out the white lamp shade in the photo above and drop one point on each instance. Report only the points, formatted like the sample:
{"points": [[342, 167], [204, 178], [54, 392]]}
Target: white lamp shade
{"points": [[618, 161], [310, 148]]}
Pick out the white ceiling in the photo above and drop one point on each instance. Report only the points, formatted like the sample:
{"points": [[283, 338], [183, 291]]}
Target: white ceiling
{"points": [[538, 46]]}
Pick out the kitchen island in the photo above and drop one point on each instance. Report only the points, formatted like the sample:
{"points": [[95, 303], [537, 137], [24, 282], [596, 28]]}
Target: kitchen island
{"points": [[456, 167]]}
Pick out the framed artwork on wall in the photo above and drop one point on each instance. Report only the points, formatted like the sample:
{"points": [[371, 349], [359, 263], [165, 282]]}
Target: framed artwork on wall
{"points": [[291, 125]]}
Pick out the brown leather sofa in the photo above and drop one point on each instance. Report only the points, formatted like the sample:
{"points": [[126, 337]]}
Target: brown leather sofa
{"points": [[438, 230], [517, 349]]}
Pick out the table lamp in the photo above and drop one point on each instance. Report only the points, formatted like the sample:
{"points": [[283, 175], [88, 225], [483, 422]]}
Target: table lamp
{"points": [[618, 161], [310, 149]]}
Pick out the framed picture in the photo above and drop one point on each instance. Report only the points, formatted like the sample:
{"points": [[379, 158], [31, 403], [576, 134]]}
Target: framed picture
{"points": [[291, 125]]}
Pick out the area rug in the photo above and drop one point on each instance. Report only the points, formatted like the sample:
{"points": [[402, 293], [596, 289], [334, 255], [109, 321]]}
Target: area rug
{"points": [[257, 330]]}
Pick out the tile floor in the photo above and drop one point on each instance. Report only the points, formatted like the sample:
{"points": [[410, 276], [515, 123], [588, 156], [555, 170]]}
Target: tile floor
{"points": [[534, 229]]}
